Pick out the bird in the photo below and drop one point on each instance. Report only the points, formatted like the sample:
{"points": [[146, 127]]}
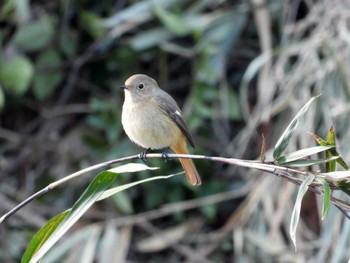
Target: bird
{"points": [[152, 119]]}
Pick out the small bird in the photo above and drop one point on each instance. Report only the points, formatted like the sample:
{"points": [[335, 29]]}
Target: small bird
{"points": [[152, 120]]}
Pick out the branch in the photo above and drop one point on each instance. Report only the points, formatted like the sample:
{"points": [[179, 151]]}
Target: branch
{"points": [[280, 171]]}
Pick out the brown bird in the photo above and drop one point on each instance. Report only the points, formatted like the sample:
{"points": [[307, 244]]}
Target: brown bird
{"points": [[152, 119]]}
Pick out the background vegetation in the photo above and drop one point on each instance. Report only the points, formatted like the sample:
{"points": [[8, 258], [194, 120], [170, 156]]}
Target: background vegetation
{"points": [[237, 68]]}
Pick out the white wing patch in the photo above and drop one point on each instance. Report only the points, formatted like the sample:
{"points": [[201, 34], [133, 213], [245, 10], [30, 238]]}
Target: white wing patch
{"points": [[178, 113]]}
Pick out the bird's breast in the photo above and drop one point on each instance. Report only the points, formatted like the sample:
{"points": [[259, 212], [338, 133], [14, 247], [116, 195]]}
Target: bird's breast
{"points": [[148, 126]]}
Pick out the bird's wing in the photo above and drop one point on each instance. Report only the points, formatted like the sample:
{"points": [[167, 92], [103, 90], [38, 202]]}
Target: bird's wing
{"points": [[170, 109]]}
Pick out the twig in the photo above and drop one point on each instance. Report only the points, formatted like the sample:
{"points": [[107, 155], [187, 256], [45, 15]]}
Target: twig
{"points": [[62, 181], [74, 72], [281, 171], [181, 206]]}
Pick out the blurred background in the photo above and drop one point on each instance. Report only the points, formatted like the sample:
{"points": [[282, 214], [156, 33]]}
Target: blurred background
{"points": [[238, 69]]}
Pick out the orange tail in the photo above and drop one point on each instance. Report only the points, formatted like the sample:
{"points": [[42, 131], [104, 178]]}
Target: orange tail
{"points": [[187, 164]]}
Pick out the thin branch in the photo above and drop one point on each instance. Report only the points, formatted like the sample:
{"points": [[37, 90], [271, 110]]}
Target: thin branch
{"points": [[182, 206], [280, 171]]}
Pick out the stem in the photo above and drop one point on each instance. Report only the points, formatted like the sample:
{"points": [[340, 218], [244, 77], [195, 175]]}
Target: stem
{"points": [[280, 171]]}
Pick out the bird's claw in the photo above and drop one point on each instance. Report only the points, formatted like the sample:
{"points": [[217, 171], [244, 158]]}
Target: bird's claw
{"points": [[165, 155], [143, 154]]}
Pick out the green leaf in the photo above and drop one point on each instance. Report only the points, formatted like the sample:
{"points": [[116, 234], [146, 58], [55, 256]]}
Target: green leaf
{"points": [[86, 240], [297, 206], [48, 74], [16, 75], [331, 166], [92, 24], [42, 235], [333, 151], [318, 139], [101, 182], [331, 137], [173, 22], [34, 35], [95, 192], [298, 155], [341, 162], [305, 162], [326, 196], [283, 141], [117, 189]]}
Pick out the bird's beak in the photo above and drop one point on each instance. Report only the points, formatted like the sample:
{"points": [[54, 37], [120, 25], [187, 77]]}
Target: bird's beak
{"points": [[123, 87]]}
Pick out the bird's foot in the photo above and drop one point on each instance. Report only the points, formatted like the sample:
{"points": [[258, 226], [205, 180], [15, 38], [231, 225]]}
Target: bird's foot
{"points": [[143, 154], [165, 155]]}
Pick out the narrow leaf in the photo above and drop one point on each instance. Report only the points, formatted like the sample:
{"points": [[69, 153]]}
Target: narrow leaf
{"points": [[120, 188], [342, 163], [297, 206], [333, 151], [330, 167], [77, 240], [318, 139], [283, 141], [131, 168], [326, 196], [42, 235], [102, 181], [306, 162], [331, 136], [297, 155]]}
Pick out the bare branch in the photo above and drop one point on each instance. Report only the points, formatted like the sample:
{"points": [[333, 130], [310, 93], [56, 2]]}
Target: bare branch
{"points": [[283, 172]]}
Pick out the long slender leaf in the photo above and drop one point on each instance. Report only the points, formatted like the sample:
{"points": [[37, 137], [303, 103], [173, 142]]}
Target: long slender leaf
{"points": [[318, 139], [60, 224], [283, 141], [42, 235], [330, 167], [297, 206], [78, 240], [333, 151], [298, 155], [326, 196], [102, 181], [341, 162], [120, 188], [131, 168], [306, 162]]}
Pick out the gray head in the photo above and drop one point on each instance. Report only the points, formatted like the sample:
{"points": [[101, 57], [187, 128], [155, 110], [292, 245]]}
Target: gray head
{"points": [[139, 87]]}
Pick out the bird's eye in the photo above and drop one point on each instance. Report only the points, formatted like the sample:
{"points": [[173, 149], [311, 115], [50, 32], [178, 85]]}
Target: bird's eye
{"points": [[141, 86]]}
